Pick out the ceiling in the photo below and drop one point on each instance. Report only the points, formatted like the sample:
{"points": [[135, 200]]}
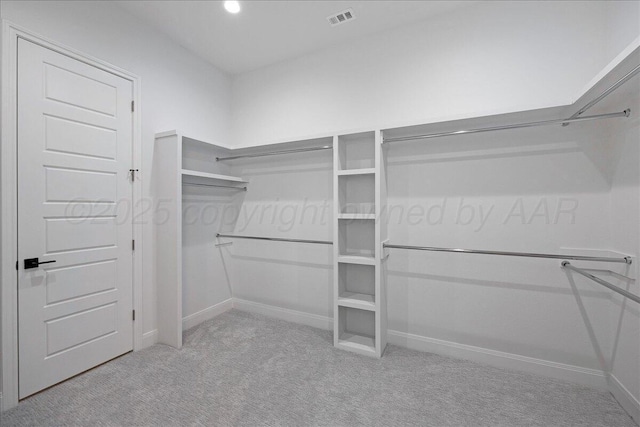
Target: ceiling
{"points": [[267, 32]]}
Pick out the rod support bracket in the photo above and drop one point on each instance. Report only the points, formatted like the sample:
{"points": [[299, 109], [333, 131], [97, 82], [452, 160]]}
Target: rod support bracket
{"points": [[565, 263], [628, 260], [384, 251]]}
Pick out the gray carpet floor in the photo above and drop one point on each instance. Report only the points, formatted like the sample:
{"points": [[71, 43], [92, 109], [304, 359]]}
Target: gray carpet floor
{"points": [[241, 369]]}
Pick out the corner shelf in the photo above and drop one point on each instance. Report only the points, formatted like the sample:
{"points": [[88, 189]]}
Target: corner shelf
{"points": [[213, 176], [180, 160]]}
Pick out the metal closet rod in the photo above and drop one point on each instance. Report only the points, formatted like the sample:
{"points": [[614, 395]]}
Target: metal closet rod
{"points": [[614, 288], [275, 239], [214, 185], [606, 93], [624, 113], [274, 153], [626, 260]]}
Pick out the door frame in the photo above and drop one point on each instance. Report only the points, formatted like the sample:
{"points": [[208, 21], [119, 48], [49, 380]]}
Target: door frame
{"points": [[9, 204]]}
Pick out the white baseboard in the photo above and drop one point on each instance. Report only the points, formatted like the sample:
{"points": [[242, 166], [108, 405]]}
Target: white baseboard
{"points": [[589, 377], [317, 321], [624, 397], [208, 313], [149, 338], [576, 374]]}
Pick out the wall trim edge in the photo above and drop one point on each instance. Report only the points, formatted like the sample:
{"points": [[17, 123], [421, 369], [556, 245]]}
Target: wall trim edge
{"points": [[149, 338], [625, 398], [585, 376], [314, 320], [208, 313]]}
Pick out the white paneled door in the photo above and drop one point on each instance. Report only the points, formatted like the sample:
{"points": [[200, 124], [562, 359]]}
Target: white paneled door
{"points": [[74, 226]]}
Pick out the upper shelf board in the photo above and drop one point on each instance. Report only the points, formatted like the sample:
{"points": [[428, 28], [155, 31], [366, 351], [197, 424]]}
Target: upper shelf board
{"points": [[227, 178]]}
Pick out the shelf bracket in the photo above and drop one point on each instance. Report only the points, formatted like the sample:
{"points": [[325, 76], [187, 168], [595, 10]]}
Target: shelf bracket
{"points": [[384, 251]]}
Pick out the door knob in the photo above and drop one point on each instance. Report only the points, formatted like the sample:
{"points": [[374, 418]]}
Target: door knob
{"points": [[34, 263]]}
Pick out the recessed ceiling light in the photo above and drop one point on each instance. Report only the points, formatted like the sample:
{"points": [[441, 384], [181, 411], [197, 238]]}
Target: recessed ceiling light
{"points": [[232, 6]]}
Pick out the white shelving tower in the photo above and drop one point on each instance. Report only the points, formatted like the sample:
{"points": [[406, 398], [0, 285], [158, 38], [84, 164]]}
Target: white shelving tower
{"points": [[359, 189]]}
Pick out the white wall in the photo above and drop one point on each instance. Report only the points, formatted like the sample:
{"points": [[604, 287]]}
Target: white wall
{"points": [[289, 196], [179, 90], [622, 25], [488, 58], [533, 190]]}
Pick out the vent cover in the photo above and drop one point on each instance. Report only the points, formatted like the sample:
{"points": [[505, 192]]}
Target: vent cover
{"points": [[341, 17]]}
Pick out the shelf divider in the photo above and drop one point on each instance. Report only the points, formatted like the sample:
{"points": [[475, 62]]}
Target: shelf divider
{"points": [[357, 300], [363, 171], [356, 216], [356, 259]]}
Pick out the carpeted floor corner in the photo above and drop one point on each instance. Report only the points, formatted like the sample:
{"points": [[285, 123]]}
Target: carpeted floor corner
{"points": [[242, 369]]}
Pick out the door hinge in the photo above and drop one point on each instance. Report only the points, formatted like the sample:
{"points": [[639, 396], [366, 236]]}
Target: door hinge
{"points": [[133, 315], [133, 106], [133, 245], [17, 268], [133, 174]]}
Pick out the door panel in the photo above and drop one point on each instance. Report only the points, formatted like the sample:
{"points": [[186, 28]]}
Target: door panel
{"points": [[65, 234], [74, 155], [67, 136], [68, 185], [76, 329], [79, 280], [65, 85]]}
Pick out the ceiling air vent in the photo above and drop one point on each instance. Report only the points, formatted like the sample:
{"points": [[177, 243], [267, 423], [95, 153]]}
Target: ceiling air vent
{"points": [[341, 17]]}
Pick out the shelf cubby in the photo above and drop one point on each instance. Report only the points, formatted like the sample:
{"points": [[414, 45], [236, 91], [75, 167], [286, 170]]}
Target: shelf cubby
{"points": [[356, 194], [356, 330], [356, 286], [356, 237], [200, 156], [356, 151]]}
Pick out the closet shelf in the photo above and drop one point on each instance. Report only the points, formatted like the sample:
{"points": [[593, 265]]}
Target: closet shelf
{"points": [[213, 176], [356, 300], [357, 343], [363, 171], [357, 259], [356, 216]]}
